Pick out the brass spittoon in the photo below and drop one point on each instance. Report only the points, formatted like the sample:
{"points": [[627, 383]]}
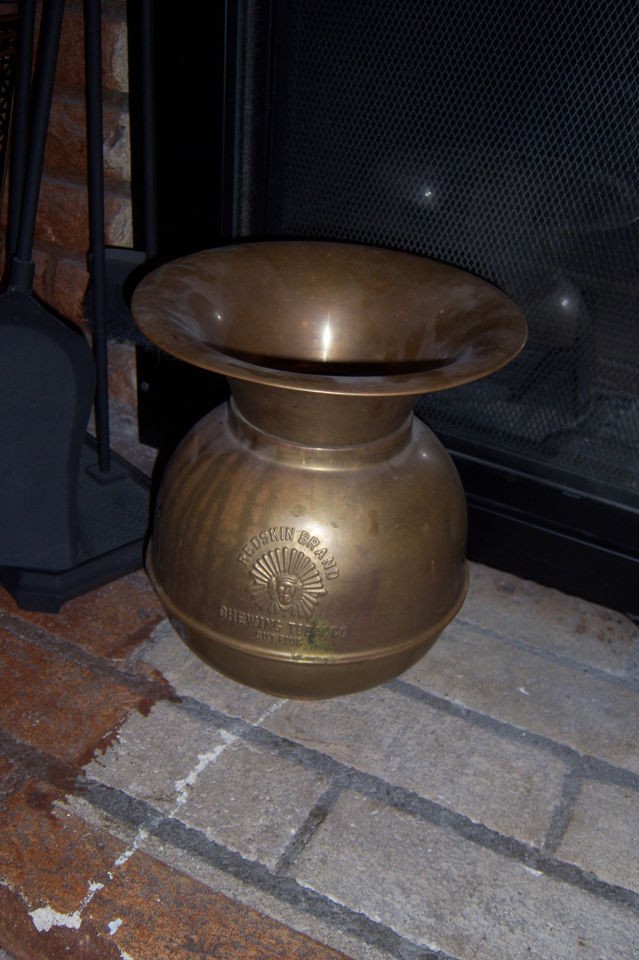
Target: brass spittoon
{"points": [[309, 536]]}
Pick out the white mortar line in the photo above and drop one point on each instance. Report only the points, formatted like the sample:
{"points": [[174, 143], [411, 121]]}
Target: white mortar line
{"points": [[274, 707], [204, 760], [126, 855]]}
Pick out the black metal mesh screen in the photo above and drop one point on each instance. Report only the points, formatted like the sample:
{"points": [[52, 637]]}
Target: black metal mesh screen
{"points": [[503, 138]]}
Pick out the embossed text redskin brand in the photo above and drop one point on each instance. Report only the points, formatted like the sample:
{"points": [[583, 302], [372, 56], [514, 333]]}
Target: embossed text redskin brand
{"points": [[283, 535]]}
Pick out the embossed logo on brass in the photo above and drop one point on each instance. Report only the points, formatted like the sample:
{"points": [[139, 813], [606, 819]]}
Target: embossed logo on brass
{"points": [[286, 580], [271, 535]]}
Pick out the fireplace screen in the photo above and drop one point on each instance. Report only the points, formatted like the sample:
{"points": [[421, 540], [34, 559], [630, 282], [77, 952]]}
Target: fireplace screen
{"points": [[502, 138]]}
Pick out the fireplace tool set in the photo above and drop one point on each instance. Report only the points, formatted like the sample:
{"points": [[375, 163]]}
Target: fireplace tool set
{"points": [[72, 515]]}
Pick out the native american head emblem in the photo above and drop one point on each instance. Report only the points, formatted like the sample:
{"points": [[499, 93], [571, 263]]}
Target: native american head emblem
{"points": [[286, 581]]}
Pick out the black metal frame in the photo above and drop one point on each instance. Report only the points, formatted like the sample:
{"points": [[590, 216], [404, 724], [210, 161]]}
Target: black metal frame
{"points": [[185, 117], [545, 527], [549, 529]]}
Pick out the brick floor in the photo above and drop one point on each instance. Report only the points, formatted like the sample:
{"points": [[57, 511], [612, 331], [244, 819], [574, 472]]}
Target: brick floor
{"points": [[572, 704], [483, 806], [108, 622]]}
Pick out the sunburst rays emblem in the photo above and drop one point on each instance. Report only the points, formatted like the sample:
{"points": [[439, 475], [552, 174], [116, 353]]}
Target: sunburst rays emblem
{"points": [[285, 580]]}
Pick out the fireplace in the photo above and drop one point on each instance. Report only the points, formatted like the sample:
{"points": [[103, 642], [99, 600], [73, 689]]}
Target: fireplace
{"points": [[503, 143]]}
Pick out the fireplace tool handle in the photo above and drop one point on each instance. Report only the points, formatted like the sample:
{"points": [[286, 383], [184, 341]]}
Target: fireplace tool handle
{"points": [[20, 122], [26, 191], [95, 175]]}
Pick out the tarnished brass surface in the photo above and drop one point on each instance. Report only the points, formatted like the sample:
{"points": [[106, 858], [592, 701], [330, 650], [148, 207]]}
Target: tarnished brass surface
{"points": [[309, 537]]}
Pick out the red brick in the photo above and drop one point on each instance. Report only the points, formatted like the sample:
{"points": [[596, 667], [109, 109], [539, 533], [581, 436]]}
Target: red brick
{"points": [[63, 216], [122, 373], [8, 775], [49, 860], [169, 916], [117, 150], [45, 265], [69, 288], [111, 621], [58, 706], [6, 767], [114, 48], [51, 856], [25, 942], [70, 68], [66, 140], [117, 213], [60, 281]]}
